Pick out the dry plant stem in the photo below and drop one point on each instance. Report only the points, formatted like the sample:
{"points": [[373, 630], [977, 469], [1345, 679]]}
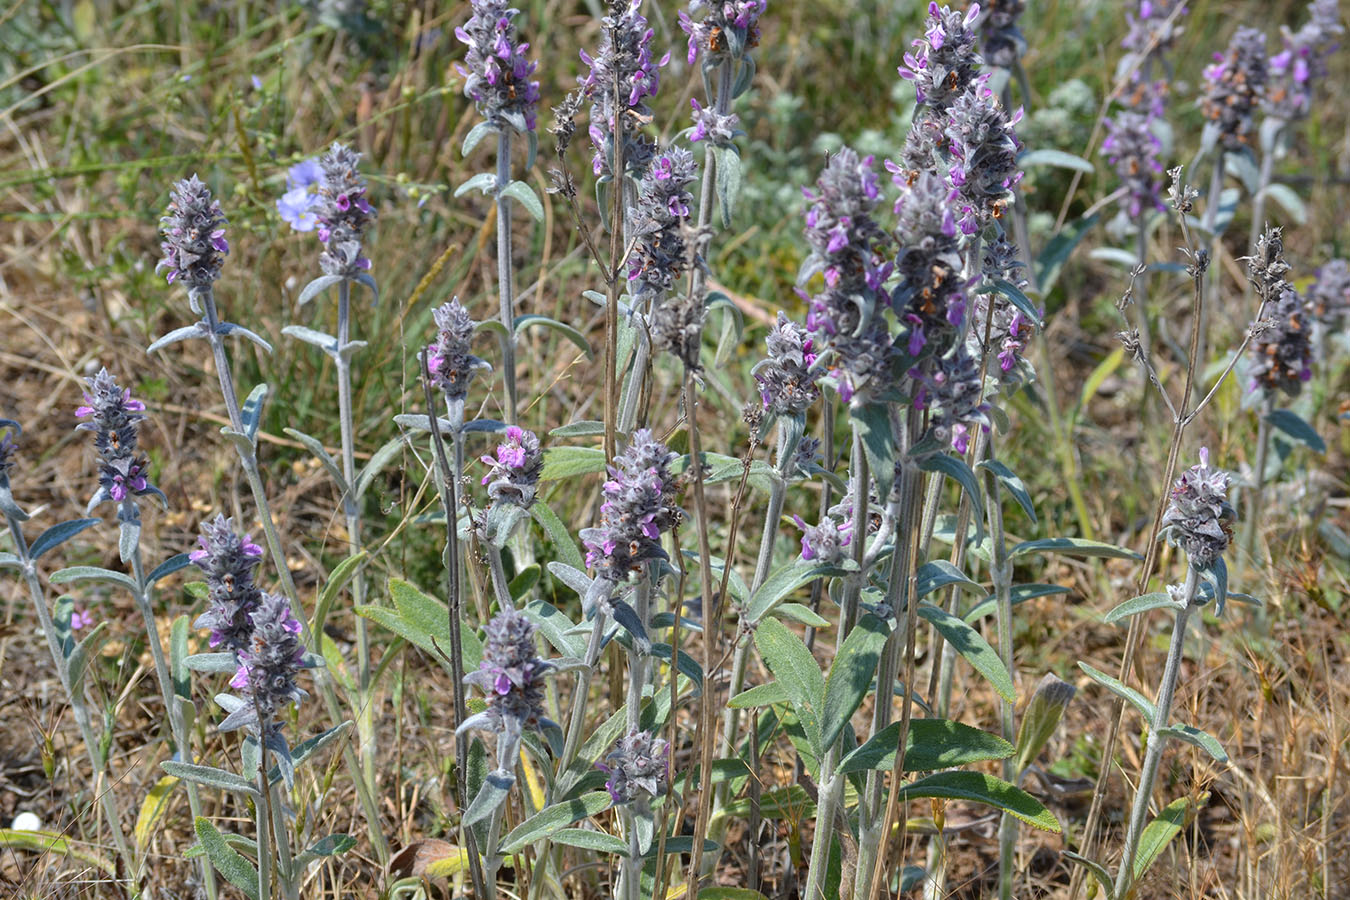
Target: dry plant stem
{"points": [[351, 511], [1156, 740], [670, 723], [1150, 563], [106, 798], [614, 284], [447, 488], [1253, 515], [248, 459], [505, 286], [712, 627], [166, 689], [1259, 199], [1200, 352]]}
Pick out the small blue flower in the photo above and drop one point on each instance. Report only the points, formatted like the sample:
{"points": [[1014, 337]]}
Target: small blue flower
{"points": [[296, 206]]}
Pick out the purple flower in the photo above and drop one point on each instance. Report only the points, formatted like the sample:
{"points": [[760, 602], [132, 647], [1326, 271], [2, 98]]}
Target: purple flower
{"points": [[728, 29], [114, 416], [953, 393], [787, 377], [709, 125], [983, 150], [638, 508], [269, 662], [450, 359], [825, 542], [1198, 517], [1009, 330], [930, 299], [194, 244], [511, 677], [297, 205], [515, 469], [496, 71], [227, 561], [1282, 353], [1296, 70], [944, 61], [1234, 85], [342, 213], [655, 222], [80, 619], [1329, 296], [624, 57], [1134, 150]]}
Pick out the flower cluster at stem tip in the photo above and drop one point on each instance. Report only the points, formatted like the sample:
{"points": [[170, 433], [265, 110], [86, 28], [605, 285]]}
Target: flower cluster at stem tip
{"points": [[496, 70], [114, 415]]}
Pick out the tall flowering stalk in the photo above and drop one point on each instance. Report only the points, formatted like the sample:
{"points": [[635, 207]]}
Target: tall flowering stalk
{"points": [[497, 76], [60, 642], [1198, 521], [194, 247]]}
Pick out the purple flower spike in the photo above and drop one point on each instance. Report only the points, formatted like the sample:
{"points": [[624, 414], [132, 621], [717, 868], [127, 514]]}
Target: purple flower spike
{"points": [[511, 675], [638, 768], [638, 507], [728, 29], [496, 70], [342, 213], [1296, 71], [114, 421], [515, 469], [1199, 518], [269, 662], [450, 358], [824, 542], [1234, 85], [227, 561], [194, 244], [625, 55]]}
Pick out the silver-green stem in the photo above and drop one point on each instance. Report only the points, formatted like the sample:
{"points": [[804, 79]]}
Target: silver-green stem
{"points": [[249, 461], [509, 752], [1000, 570], [262, 816], [505, 287], [637, 661], [1162, 709], [1257, 493], [500, 587], [106, 798], [351, 510], [577, 718], [281, 838], [831, 793], [166, 689], [630, 882]]}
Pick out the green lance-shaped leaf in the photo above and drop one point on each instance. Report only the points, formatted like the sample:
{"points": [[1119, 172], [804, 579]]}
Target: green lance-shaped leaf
{"points": [[378, 461], [795, 668], [337, 580], [523, 194], [1072, 547], [315, 446], [228, 862], [1143, 603], [1197, 738], [553, 818], [851, 676], [92, 573], [938, 574], [1124, 691], [483, 181], [332, 845], [1096, 870], [524, 323], [873, 422], [78, 659], [175, 563], [496, 788], [250, 414], [568, 462], [955, 468], [48, 842], [1056, 158], [211, 777], [760, 695], [1158, 834], [931, 744], [1041, 718], [1014, 485], [981, 788], [1291, 425], [57, 535], [973, 648], [587, 839], [783, 581]]}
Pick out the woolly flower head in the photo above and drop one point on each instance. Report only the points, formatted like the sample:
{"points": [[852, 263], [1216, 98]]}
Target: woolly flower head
{"points": [[1148, 26], [227, 561], [625, 55], [1001, 39], [194, 244], [450, 360], [787, 377], [710, 125], [930, 299], [655, 219], [1134, 150], [496, 70], [1234, 85], [638, 507], [1282, 353], [1302, 63], [114, 418], [953, 394], [511, 676], [944, 61], [1009, 329], [1198, 517], [515, 468], [825, 542], [343, 213], [728, 29], [1329, 296], [983, 149], [638, 767], [268, 666]]}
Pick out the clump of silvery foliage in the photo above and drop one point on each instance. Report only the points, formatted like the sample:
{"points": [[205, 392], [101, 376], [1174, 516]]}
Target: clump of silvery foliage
{"points": [[1302, 63], [113, 418], [1234, 86], [638, 767], [227, 560], [496, 70], [625, 56], [450, 359], [268, 666], [514, 475], [1199, 518], [511, 677], [342, 213], [194, 244], [848, 252], [787, 377]]}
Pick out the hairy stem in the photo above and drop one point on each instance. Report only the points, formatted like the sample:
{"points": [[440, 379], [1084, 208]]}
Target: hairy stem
{"points": [[1257, 492], [505, 286], [1000, 570], [1156, 740]]}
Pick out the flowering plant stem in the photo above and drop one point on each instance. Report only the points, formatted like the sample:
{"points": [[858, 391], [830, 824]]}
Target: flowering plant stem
{"points": [[130, 516], [614, 281], [1000, 571], [351, 510], [74, 696], [1156, 740], [505, 287], [248, 459], [1257, 491], [262, 819]]}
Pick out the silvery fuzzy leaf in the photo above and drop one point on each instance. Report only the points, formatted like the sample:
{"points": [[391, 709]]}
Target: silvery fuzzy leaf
{"points": [[178, 334], [745, 76], [476, 721], [317, 448], [502, 519], [939, 573], [100, 496], [281, 753], [727, 179], [475, 135], [250, 755], [496, 787], [243, 716], [350, 349], [173, 564], [644, 823], [9, 560], [213, 663], [242, 443], [1012, 483], [307, 748], [956, 469], [574, 578], [128, 539], [211, 777], [483, 181], [484, 426], [325, 342], [627, 617], [316, 287], [57, 535], [419, 422], [522, 323], [93, 573], [525, 196], [332, 845], [8, 507], [229, 328], [378, 460], [77, 661], [366, 280], [250, 414]]}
